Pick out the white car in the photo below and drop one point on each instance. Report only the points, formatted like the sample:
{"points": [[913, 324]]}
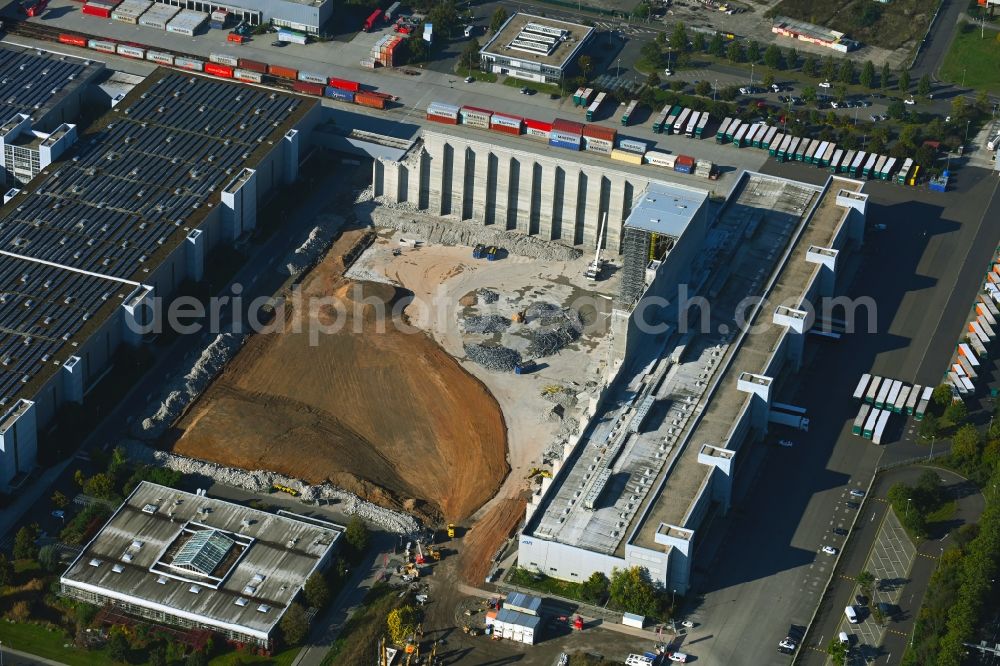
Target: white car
{"points": [[909, 101], [835, 105], [775, 88], [679, 657], [829, 550], [857, 493], [787, 644], [744, 91], [786, 443], [826, 84], [667, 72]]}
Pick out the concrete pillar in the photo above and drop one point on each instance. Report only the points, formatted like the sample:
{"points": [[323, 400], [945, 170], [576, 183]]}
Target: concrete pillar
{"points": [[722, 480], [239, 204], [18, 442], [72, 376], [796, 322], [505, 210], [759, 387], [616, 214], [139, 316], [194, 254], [545, 200], [291, 144], [483, 188], [592, 213], [681, 542], [378, 176], [570, 205], [827, 258]]}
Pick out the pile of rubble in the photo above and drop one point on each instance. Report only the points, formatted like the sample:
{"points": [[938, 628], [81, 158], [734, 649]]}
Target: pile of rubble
{"points": [[493, 357], [182, 391], [487, 297], [547, 343], [493, 323], [559, 327], [315, 246], [261, 481]]}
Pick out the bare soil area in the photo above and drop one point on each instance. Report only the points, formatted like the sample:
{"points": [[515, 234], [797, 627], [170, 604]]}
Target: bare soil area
{"points": [[384, 413]]}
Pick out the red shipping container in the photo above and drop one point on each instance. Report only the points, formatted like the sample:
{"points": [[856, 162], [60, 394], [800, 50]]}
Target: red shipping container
{"points": [[283, 72], [440, 119], [370, 99], [684, 159], [238, 39], [97, 10], [344, 84], [598, 132], [216, 69], [538, 125], [516, 131], [567, 126], [253, 65], [308, 88], [74, 40]]}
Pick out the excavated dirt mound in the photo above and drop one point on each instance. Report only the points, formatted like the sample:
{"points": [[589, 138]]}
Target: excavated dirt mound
{"points": [[387, 415], [480, 544]]}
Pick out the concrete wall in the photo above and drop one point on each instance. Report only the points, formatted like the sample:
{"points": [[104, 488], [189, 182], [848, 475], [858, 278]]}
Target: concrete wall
{"points": [[562, 561], [517, 190]]}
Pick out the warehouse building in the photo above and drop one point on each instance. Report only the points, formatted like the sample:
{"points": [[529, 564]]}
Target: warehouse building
{"points": [[26, 151], [664, 453], [308, 16], [196, 562], [48, 87], [535, 48], [813, 34], [175, 170]]}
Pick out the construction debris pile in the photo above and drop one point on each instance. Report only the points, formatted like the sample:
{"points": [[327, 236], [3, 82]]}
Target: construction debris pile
{"points": [[559, 327], [315, 246], [493, 357], [492, 323], [487, 297], [261, 481], [182, 391]]}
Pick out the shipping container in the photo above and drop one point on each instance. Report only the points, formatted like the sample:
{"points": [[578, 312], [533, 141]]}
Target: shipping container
{"points": [[668, 124], [102, 45], [595, 105], [343, 84], [215, 69], [389, 13], [880, 427], [751, 133], [222, 59], [283, 72], [828, 155], [252, 65], [312, 78], [883, 393], [160, 58], [189, 63], [758, 138], [98, 10], [626, 156], [506, 124], [587, 97], [904, 395], [845, 164], [595, 145], [158, 16], [661, 119], [740, 134], [567, 127], [633, 145], [720, 134], [859, 421], [248, 75], [776, 142], [218, 19], [447, 120], [733, 128], [794, 146], [131, 51], [338, 94], [879, 165], [476, 117], [660, 159], [561, 143], [817, 154], [307, 88], [130, 11], [911, 400], [292, 36], [372, 20], [537, 128], [188, 22], [578, 96], [838, 155], [599, 132], [873, 389], [782, 152], [866, 170], [684, 164], [629, 110], [73, 40], [859, 392], [805, 149], [889, 169], [372, 100], [236, 38], [859, 160]]}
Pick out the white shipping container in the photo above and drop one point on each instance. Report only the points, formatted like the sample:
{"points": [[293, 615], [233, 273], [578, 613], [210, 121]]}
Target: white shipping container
{"points": [[160, 57], [130, 11], [101, 45], [223, 59], [247, 75], [535, 132], [158, 16], [189, 63], [661, 159], [188, 22], [506, 121], [131, 51], [312, 78], [440, 109], [859, 392], [597, 145]]}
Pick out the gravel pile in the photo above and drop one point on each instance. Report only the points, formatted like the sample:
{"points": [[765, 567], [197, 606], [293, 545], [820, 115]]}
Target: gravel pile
{"points": [[487, 297], [493, 357], [261, 481], [455, 232], [365, 195], [315, 246], [182, 391], [485, 324], [547, 343]]}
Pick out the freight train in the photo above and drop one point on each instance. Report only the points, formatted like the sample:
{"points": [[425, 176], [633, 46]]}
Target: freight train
{"points": [[569, 135], [239, 69]]}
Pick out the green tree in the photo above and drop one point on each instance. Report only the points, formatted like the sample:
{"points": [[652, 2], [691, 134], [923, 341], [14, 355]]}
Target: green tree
{"points": [[48, 557], [729, 93], [199, 658], [631, 591], [679, 38], [356, 534], [847, 71], [118, 648], [837, 651], [158, 655], [294, 624], [733, 52], [704, 88], [768, 80], [866, 581], [595, 588], [99, 485], [316, 590], [791, 58], [79, 478], [6, 571], [965, 444], [956, 412], [810, 67], [586, 64], [883, 80], [653, 80], [809, 94], [24, 543], [924, 86], [867, 78], [470, 54], [651, 54], [903, 83], [829, 68], [929, 427], [698, 42], [753, 51], [716, 46], [59, 500], [499, 17], [417, 50], [401, 623], [841, 92], [772, 57]]}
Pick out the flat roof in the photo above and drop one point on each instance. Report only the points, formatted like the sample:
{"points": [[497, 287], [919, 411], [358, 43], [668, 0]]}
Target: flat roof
{"points": [[34, 82], [258, 560], [808, 29], [134, 186], [666, 209], [574, 34]]}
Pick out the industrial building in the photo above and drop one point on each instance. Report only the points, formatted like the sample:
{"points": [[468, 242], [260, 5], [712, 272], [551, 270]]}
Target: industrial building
{"points": [[812, 34], [309, 16], [516, 185], [26, 151], [664, 448], [174, 170], [535, 48], [196, 562], [48, 87]]}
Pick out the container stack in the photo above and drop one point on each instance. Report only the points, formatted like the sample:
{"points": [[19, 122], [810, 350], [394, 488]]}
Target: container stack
{"points": [[473, 117], [598, 139], [158, 16], [130, 11], [219, 19], [443, 113], [387, 50], [187, 22], [100, 8], [566, 134]]}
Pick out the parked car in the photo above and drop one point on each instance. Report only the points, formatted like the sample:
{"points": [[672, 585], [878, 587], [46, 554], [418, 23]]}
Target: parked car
{"points": [[787, 643], [840, 531], [786, 443], [829, 550], [857, 493], [861, 599], [909, 101], [875, 117], [825, 84], [775, 88], [470, 79], [853, 505], [679, 657], [744, 91]]}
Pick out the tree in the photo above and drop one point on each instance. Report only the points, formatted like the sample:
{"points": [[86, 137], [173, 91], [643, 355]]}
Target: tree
{"points": [[716, 46], [24, 543], [847, 71], [470, 54], [965, 445], [866, 581], [841, 92], [753, 51], [118, 648], [903, 82], [679, 38], [356, 534], [316, 590], [896, 109], [772, 57], [651, 54], [59, 500], [883, 80], [768, 80], [791, 58], [837, 651], [956, 412], [704, 88], [809, 94], [294, 624], [99, 485], [924, 86], [79, 478], [868, 74], [158, 655], [595, 588], [698, 42], [653, 80], [6, 571], [499, 17], [631, 591], [198, 657], [586, 64], [401, 623], [829, 68], [729, 93], [733, 52], [48, 557], [417, 49], [809, 67]]}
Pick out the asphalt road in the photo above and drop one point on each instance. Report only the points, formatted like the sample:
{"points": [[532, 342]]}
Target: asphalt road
{"points": [[767, 574], [936, 45]]}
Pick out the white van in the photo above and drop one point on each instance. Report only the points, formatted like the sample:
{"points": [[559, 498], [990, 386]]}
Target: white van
{"points": [[852, 616], [844, 638], [469, 29]]}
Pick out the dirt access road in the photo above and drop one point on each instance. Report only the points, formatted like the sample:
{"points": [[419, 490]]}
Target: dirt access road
{"points": [[382, 412]]}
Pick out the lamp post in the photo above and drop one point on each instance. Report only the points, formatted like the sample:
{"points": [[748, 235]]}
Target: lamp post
{"points": [[963, 76], [715, 89], [967, 139], [751, 76], [907, 514], [618, 73]]}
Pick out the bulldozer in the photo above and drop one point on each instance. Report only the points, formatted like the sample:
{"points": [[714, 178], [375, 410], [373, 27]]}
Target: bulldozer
{"points": [[451, 530], [434, 553], [537, 471], [519, 317]]}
